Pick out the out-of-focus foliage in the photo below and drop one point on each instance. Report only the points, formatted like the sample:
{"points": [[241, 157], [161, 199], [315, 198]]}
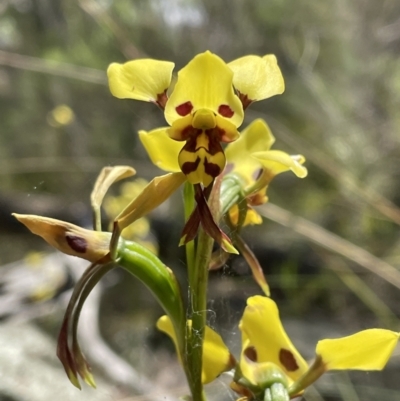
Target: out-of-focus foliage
{"points": [[60, 125]]}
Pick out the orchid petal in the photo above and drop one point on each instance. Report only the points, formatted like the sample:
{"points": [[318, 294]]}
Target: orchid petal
{"points": [[257, 78], [156, 192], [144, 79], [68, 238], [204, 83], [262, 329], [365, 350], [263, 374], [105, 179], [216, 356], [276, 162], [252, 217], [162, 150], [257, 137], [202, 159]]}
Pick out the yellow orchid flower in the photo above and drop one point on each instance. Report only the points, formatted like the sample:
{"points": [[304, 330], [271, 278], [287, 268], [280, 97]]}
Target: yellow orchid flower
{"points": [[268, 356], [203, 110], [163, 152], [251, 158], [206, 105], [264, 341]]}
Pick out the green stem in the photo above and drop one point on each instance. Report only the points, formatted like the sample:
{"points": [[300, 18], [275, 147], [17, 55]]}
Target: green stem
{"points": [[189, 204], [198, 293]]}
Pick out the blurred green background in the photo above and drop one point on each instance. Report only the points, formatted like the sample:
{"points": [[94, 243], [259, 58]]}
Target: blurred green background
{"points": [[329, 244]]}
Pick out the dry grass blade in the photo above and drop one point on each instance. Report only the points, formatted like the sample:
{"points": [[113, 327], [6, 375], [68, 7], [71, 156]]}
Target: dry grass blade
{"points": [[37, 64], [332, 242], [105, 20], [364, 293], [332, 167]]}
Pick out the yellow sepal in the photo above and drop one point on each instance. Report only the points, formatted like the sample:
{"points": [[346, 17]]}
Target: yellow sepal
{"points": [[276, 162], [144, 79], [257, 77], [257, 137], [366, 350], [162, 150]]}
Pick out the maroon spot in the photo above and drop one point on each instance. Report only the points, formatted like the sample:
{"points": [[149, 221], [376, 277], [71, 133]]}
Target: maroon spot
{"points": [[214, 146], [189, 133], [211, 169], [287, 359], [78, 244], [246, 102], [225, 111], [251, 354], [184, 109], [162, 99], [189, 167]]}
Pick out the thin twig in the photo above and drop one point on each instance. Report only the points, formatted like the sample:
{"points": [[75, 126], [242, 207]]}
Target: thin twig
{"points": [[333, 168], [51, 67], [332, 242]]}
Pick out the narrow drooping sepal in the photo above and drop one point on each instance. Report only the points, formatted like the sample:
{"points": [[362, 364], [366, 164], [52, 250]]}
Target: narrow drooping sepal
{"points": [[72, 357], [253, 263], [202, 215], [65, 356]]}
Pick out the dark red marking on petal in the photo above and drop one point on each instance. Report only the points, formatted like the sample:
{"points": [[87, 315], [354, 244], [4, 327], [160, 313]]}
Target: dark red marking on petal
{"points": [[225, 111], [287, 359], [189, 167], [189, 132], [191, 139], [162, 99], [214, 146], [246, 102], [212, 169], [251, 353], [219, 134], [184, 109], [78, 244]]}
